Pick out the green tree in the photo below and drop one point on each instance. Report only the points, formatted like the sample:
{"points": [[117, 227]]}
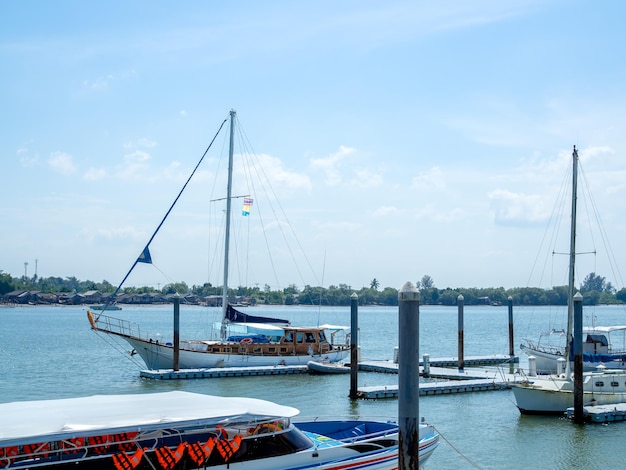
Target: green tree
{"points": [[6, 283], [593, 282], [180, 288], [374, 284]]}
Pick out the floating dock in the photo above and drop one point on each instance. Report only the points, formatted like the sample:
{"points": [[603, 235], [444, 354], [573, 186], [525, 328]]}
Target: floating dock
{"points": [[602, 413], [435, 388], [222, 372], [391, 367], [476, 380], [468, 380]]}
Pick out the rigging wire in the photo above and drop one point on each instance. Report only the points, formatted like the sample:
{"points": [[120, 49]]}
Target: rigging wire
{"points": [[458, 451], [603, 235], [145, 252], [259, 183]]}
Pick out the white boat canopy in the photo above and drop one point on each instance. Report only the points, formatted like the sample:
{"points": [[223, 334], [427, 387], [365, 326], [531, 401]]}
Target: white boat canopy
{"points": [[33, 420]]}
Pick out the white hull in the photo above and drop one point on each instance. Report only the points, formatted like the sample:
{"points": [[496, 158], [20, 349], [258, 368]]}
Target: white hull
{"points": [[340, 458], [161, 356], [545, 362], [553, 395], [328, 368]]}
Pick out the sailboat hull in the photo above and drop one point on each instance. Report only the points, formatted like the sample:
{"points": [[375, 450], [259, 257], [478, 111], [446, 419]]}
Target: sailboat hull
{"points": [[297, 346], [161, 356], [554, 395]]}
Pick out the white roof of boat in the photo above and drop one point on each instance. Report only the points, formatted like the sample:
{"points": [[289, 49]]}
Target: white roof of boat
{"points": [[328, 326], [245, 326], [259, 326], [90, 415], [603, 329]]}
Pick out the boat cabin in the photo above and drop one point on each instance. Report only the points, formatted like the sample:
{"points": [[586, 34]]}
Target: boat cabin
{"points": [[294, 341]]}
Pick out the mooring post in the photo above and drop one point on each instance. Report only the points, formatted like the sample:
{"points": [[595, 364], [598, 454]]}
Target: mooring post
{"points": [[578, 359], [176, 332], [511, 347], [408, 377], [354, 345], [426, 366], [461, 302]]}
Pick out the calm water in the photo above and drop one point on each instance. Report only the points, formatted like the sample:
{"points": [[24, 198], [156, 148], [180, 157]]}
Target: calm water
{"points": [[50, 352]]}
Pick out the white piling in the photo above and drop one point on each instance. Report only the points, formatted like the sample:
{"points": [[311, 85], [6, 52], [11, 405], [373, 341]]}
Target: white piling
{"points": [[532, 366]]}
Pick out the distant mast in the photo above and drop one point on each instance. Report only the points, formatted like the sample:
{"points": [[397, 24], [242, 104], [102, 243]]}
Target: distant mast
{"points": [[233, 115], [572, 260]]}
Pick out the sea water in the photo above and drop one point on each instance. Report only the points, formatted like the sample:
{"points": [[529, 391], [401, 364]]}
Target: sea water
{"points": [[51, 352]]}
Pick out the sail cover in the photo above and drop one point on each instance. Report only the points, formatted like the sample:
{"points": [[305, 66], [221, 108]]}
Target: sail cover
{"points": [[234, 315]]}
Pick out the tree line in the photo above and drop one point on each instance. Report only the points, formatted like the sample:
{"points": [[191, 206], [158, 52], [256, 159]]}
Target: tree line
{"points": [[594, 288]]}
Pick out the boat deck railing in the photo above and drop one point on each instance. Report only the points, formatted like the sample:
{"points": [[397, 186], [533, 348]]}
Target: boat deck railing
{"points": [[117, 326], [543, 347]]}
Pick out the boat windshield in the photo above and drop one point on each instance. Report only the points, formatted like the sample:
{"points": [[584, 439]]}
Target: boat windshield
{"points": [[266, 445]]}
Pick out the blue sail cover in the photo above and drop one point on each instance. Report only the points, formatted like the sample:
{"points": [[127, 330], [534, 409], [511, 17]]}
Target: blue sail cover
{"points": [[234, 315], [595, 358]]}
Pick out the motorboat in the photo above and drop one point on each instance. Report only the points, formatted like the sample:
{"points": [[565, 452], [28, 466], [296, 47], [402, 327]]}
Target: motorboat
{"points": [[183, 430]]}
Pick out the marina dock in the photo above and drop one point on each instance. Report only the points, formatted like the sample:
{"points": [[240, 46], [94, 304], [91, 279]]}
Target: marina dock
{"points": [[473, 379], [391, 367], [602, 413], [222, 372], [436, 388]]}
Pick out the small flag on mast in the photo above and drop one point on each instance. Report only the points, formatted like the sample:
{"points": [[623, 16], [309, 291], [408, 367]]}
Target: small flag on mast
{"points": [[247, 204], [145, 257]]}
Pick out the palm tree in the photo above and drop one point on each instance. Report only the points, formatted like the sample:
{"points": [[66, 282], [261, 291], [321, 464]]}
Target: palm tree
{"points": [[374, 284]]}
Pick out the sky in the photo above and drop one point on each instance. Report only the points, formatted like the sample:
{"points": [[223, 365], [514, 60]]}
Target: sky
{"points": [[408, 138]]}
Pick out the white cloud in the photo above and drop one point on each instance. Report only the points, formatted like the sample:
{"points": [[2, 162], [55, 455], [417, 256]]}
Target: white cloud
{"points": [[274, 172], [136, 165], [142, 142], [103, 83], [62, 162], [115, 233], [26, 160], [432, 179], [511, 208], [94, 174], [331, 165], [366, 179], [383, 211]]}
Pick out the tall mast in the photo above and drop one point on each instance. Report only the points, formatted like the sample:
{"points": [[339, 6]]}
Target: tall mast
{"points": [[572, 259], [233, 115]]}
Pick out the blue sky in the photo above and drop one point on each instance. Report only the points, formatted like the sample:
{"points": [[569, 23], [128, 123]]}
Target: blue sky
{"points": [[410, 138]]}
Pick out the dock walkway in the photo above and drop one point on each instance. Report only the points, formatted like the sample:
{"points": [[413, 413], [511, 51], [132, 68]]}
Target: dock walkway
{"points": [[471, 379], [602, 413]]}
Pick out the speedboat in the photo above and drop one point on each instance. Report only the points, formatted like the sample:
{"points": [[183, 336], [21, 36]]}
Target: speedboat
{"points": [[183, 430]]}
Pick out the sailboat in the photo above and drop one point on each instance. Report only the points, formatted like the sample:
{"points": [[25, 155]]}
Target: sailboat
{"points": [[553, 394], [245, 340], [602, 345]]}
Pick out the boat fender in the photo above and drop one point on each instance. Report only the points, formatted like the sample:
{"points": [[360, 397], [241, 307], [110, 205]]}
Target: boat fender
{"points": [[246, 341]]}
